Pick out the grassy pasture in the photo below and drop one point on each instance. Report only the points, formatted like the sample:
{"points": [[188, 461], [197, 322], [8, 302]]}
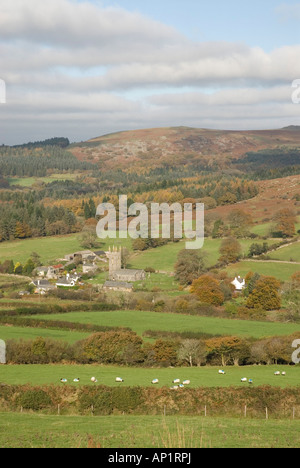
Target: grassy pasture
{"points": [[43, 431], [17, 333], [140, 321], [282, 271], [142, 377]]}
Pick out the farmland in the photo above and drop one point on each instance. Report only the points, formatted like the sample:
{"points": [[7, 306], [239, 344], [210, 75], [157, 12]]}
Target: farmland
{"points": [[144, 431], [140, 321], [106, 375]]}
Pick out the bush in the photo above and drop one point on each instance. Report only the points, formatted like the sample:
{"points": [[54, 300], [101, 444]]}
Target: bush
{"points": [[126, 399], [35, 400]]}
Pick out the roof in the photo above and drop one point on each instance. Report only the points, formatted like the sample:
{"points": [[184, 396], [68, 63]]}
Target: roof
{"points": [[117, 284]]}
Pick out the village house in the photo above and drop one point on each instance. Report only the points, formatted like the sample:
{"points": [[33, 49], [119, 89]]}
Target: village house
{"points": [[68, 281], [239, 284], [42, 286]]}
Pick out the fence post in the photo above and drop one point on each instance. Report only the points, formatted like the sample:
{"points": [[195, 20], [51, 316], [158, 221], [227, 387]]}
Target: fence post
{"points": [[245, 411], [205, 411], [58, 410], [267, 413]]}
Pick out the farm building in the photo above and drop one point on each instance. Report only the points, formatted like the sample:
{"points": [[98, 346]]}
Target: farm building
{"points": [[239, 283]]}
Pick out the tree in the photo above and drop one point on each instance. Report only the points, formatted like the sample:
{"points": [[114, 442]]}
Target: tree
{"points": [[165, 352], [230, 250], [192, 352], [285, 224], [230, 350], [239, 222], [28, 267], [18, 269], [111, 347], [190, 266], [265, 294], [208, 290]]}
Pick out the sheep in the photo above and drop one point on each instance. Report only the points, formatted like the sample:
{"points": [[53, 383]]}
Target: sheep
{"points": [[284, 374], [221, 372], [177, 381], [76, 380], [155, 381], [174, 388], [94, 380], [118, 379], [250, 381], [277, 373], [63, 380], [186, 382], [244, 379], [181, 386]]}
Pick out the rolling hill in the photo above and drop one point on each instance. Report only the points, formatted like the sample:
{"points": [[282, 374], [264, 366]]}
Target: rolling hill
{"points": [[179, 146]]}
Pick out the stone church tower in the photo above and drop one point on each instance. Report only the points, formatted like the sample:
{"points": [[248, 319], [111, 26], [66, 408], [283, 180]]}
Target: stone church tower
{"points": [[115, 261]]}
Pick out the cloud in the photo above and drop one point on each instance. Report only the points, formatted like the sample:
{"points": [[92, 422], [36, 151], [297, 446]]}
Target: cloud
{"points": [[70, 63]]}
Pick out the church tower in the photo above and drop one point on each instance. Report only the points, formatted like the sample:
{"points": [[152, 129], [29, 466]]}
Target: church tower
{"points": [[115, 261]]}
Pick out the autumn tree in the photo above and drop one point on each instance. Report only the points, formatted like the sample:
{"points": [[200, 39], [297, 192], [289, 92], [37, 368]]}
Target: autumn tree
{"points": [[285, 221], [265, 294], [229, 350], [239, 222], [190, 266], [208, 290], [230, 250]]}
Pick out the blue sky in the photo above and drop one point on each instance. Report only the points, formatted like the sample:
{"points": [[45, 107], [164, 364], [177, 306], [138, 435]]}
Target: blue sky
{"points": [[264, 23], [85, 68]]}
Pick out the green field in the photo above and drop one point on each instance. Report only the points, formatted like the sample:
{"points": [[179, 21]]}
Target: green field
{"points": [[17, 333], [289, 253], [106, 375], [140, 321], [30, 181], [41, 431], [282, 271]]}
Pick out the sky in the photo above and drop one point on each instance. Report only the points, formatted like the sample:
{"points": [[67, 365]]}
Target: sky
{"points": [[81, 69]]}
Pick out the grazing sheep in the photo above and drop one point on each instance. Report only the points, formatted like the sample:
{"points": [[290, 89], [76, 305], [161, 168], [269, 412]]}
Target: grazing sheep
{"points": [[174, 388], [76, 380], [244, 379], [221, 372], [177, 381], [186, 382], [155, 381], [93, 379], [118, 379], [277, 373], [284, 374], [63, 380], [181, 386], [250, 381]]}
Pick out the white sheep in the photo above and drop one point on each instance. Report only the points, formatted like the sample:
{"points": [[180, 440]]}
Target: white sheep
{"points": [[177, 381], [221, 372], [94, 380], [175, 387], [244, 379], [63, 380], [186, 382], [284, 374], [277, 373], [155, 381], [118, 379], [76, 380]]}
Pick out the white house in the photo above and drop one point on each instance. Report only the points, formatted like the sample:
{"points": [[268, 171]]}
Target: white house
{"points": [[239, 283]]}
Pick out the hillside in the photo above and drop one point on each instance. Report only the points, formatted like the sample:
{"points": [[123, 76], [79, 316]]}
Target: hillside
{"points": [[179, 146]]}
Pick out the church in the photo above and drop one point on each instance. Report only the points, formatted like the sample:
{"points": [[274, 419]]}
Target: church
{"points": [[117, 273]]}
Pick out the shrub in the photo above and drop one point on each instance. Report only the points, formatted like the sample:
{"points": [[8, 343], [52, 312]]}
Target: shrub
{"points": [[35, 400]]}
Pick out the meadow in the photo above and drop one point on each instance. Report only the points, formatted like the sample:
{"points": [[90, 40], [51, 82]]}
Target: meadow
{"points": [[43, 431], [142, 377], [140, 321]]}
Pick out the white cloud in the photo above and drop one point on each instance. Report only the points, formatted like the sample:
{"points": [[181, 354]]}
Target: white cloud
{"points": [[66, 62]]}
